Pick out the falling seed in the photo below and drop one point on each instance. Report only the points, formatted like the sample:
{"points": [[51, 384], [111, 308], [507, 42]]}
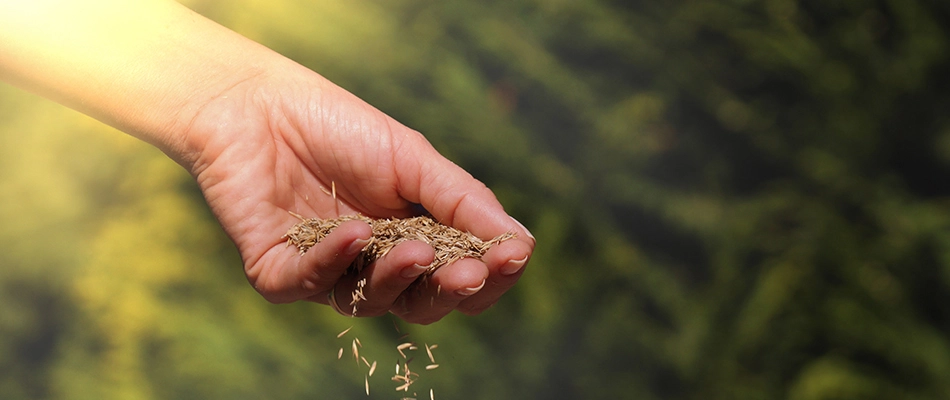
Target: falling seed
{"points": [[431, 394], [438, 290], [402, 347], [429, 352], [344, 332], [397, 368], [372, 368], [358, 342], [356, 352], [366, 380], [431, 367], [364, 361], [333, 189], [339, 355]]}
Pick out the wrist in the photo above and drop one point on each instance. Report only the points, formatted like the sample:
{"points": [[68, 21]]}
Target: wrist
{"points": [[203, 115]]}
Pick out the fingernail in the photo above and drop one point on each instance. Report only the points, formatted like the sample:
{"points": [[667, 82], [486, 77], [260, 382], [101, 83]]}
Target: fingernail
{"points": [[413, 271], [470, 291], [356, 247], [525, 228], [512, 267]]}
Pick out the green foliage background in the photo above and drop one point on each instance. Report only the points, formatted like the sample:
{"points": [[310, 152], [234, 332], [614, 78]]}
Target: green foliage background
{"points": [[745, 199]]}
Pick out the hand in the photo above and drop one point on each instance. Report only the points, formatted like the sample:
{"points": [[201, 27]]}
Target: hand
{"points": [[287, 140], [264, 136]]}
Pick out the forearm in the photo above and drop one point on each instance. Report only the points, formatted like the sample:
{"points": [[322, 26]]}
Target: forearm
{"points": [[146, 67]]}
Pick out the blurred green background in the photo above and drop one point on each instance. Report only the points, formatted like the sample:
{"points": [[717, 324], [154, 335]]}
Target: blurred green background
{"points": [[733, 200]]}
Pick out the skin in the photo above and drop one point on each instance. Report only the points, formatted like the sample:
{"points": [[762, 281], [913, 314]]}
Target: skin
{"points": [[263, 137]]}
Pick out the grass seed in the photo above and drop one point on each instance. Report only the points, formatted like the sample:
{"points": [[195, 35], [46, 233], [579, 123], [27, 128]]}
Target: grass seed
{"points": [[429, 352], [344, 332], [450, 244], [402, 347]]}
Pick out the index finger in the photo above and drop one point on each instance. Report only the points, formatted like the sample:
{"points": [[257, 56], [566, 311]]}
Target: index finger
{"points": [[455, 198]]}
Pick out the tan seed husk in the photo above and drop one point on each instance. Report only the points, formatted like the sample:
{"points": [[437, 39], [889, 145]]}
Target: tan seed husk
{"points": [[344, 332], [429, 352], [402, 347]]}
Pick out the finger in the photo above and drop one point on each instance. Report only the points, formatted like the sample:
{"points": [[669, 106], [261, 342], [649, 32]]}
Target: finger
{"points": [[314, 273], [441, 292], [505, 262], [386, 279], [450, 193]]}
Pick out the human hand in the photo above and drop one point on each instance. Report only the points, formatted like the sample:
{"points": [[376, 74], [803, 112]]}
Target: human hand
{"points": [[264, 136], [288, 141]]}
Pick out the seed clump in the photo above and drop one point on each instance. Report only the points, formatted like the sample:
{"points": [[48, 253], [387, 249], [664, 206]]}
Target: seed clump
{"points": [[450, 244]]}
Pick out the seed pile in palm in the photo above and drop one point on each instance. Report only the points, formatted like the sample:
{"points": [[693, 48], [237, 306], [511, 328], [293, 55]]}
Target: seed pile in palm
{"points": [[450, 244]]}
